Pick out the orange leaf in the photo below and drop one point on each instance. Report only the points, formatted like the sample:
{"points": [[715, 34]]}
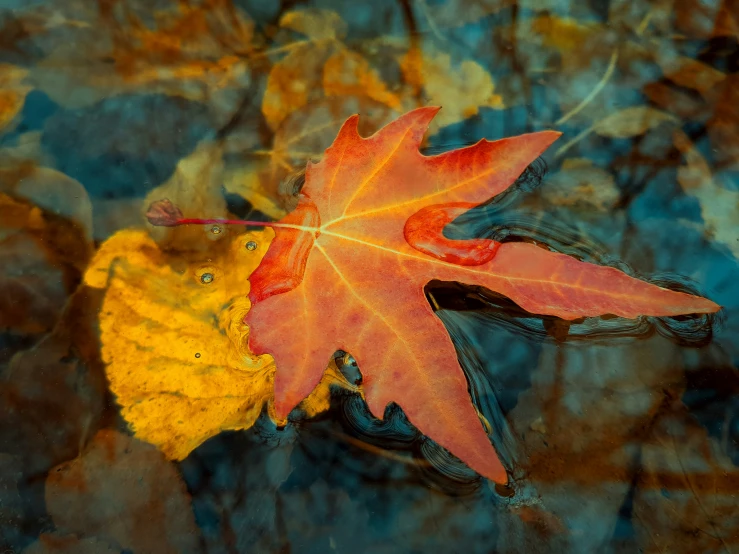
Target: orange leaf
{"points": [[343, 274]]}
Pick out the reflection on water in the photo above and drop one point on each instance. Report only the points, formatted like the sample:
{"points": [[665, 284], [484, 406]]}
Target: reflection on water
{"points": [[619, 435]]}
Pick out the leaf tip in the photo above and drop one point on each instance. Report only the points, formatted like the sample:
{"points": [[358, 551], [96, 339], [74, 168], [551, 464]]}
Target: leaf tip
{"points": [[350, 128], [282, 409]]}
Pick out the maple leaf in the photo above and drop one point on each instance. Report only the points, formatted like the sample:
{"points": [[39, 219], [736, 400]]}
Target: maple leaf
{"points": [[347, 270]]}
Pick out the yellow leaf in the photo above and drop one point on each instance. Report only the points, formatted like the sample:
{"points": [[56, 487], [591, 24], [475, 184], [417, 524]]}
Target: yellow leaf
{"points": [[295, 80], [631, 122], [564, 34], [175, 343], [174, 339]]}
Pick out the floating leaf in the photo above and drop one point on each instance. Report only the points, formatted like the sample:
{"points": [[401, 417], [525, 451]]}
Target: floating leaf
{"points": [[348, 267], [183, 373]]}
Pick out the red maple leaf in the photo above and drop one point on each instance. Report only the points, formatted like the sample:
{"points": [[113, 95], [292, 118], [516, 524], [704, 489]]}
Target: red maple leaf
{"points": [[347, 270]]}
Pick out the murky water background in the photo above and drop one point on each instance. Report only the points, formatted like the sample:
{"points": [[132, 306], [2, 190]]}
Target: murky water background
{"points": [[621, 435]]}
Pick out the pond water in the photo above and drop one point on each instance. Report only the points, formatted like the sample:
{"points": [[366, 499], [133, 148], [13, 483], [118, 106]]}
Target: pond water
{"points": [[135, 415]]}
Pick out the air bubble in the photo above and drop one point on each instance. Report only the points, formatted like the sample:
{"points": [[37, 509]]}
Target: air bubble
{"points": [[251, 245], [197, 354], [206, 278], [216, 230]]}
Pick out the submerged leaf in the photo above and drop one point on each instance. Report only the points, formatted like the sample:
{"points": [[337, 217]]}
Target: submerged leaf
{"points": [[685, 498], [461, 89], [723, 127], [581, 184], [56, 543], [42, 257], [632, 122], [12, 92], [195, 185], [719, 205], [151, 512], [295, 80], [690, 73], [267, 181], [200, 51], [347, 73], [320, 67], [315, 23]]}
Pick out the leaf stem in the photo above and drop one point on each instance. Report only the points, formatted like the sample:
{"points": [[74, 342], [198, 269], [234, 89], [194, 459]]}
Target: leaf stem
{"points": [[201, 221]]}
